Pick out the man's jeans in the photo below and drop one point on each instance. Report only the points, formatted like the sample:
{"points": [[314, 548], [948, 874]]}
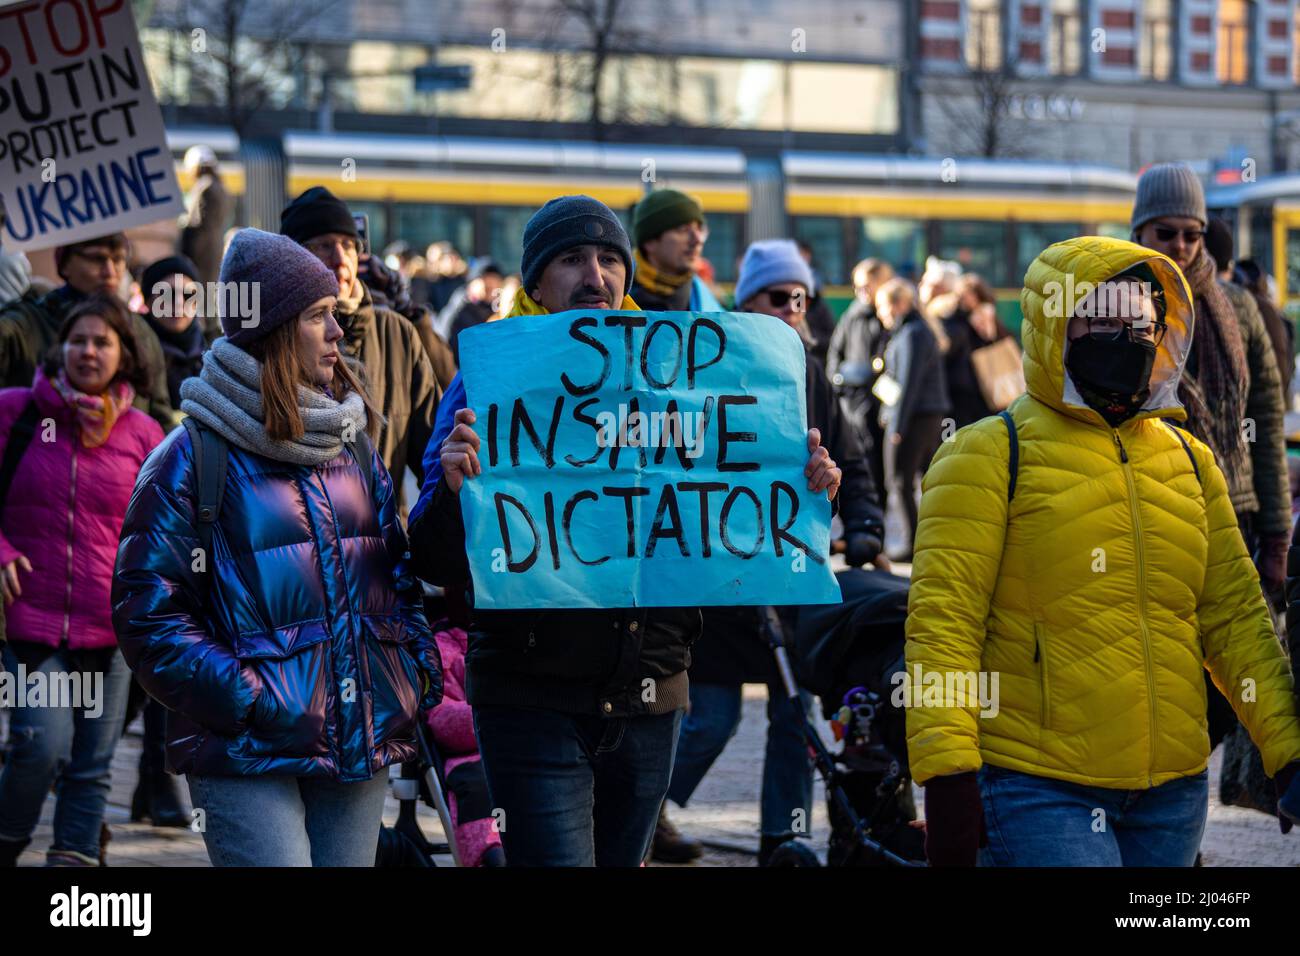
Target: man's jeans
{"points": [[289, 821], [49, 744], [787, 769], [1037, 821], [571, 790]]}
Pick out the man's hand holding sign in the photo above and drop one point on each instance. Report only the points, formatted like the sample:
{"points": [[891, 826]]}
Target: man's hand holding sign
{"points": [[641, 460]]}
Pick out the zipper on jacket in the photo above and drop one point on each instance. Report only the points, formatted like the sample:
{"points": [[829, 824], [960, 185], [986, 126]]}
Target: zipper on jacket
{"points": [[352, 633], [1140, 556], [1044, 685], [72, 502]]}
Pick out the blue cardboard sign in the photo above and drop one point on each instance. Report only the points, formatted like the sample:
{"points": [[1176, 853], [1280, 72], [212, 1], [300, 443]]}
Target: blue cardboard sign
{"points": [[642, 459]]}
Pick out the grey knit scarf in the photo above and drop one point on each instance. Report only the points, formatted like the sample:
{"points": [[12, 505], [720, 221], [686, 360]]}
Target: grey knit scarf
{"points": [[227, 397]]}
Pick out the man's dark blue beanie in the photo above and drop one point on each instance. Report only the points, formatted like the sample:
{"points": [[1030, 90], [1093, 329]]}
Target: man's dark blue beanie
{"points": [[569, 221]]}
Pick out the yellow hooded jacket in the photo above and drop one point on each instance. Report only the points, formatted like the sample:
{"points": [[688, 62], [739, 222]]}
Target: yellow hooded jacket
{"points": [[1099, 592]]}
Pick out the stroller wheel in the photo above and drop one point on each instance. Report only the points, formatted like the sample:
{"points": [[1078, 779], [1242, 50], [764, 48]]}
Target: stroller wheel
{"points": [[793, 853]]}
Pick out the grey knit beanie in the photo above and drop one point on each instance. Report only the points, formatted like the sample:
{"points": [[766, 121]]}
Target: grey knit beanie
{"points": [[1168, 189], [771, 262], [569, 221], [275, 281]]}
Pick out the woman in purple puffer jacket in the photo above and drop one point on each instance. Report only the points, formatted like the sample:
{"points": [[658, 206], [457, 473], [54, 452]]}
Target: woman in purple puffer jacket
{"points": [[60, 519]]}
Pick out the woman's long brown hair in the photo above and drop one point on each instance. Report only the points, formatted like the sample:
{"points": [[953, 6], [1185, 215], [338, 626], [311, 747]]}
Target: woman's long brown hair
{"points": [[283, 372]]}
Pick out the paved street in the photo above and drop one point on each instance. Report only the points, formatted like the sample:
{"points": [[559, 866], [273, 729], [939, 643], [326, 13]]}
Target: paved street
{"points": [[724, 812]]}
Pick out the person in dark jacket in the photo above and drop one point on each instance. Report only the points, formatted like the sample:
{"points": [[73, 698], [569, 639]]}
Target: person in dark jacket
{"points": [[474, 303], [913, 420], [390, 289], [383, 347], [972, 326], [856, 356], [293, 652], [174, 297], [58, 526], [818, 319], [555, 725], [174, 301], [669, 230], [1281, 330], [208, 208], [29, 327], [774, 280]]}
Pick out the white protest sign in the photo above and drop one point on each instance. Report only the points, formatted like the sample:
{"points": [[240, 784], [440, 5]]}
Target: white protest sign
{"points": [[82, 147]]}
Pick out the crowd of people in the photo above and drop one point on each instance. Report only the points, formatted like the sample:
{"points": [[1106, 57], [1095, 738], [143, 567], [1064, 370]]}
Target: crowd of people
{"points": [[212, 524]]}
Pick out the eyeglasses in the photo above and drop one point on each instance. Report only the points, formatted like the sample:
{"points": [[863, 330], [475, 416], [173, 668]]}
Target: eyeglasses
{"points": [[779, 298], [116, 259], [1190, 236], [1108, 328]]}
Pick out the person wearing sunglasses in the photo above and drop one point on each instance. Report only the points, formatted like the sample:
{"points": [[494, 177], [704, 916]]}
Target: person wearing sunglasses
{"points": [[1231, 387], [774, 280], [29, 327], [1084, 549]]}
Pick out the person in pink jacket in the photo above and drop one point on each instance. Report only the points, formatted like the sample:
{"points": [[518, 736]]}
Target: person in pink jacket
{"points": [[70, 449], [452, 726]]}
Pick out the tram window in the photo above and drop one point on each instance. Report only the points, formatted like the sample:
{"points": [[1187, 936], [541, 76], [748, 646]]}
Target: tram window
{"points": [[1292, 263], [505, 233], [1033, 237], [825, 234], [978, 246], [725, 243], [421, 224], [1115, 230], [900, 242]]}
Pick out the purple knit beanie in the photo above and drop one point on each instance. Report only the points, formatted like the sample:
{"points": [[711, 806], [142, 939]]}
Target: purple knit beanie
{"points": [[273, 280]]}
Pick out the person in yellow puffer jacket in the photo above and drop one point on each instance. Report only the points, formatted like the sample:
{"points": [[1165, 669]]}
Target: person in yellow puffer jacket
{"points": [[1087, 583]]}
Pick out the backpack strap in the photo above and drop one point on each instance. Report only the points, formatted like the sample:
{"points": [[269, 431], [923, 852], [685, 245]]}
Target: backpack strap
{"points": [[210, 455], [361, 450], [21, 433], [1013, 464], [1186, 447]]}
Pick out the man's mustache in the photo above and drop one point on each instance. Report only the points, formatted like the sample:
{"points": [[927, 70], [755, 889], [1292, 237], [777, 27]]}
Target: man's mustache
{"points": [[587, 291]]}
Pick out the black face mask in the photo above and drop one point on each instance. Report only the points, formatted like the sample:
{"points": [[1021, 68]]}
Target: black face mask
{"points": [[1112, 375]]}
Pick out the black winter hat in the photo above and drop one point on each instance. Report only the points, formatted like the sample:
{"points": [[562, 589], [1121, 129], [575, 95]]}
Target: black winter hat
{"points": [[1218, 242], [314, 213], [163, 270], [569, 221]]}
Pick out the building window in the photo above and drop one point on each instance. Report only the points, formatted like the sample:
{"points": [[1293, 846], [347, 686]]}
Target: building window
{"points": [[1156, 56], [983, 35], [1064, 47], [1233, 61]]}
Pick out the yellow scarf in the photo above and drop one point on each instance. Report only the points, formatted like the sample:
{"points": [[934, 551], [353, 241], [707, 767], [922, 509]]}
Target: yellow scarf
{"points": [[660, 283], [524, 305]]}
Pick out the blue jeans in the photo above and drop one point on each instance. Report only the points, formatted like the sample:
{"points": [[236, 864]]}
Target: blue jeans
{"points": [[61, 745], [289, 821], [572, 790], [787, 768], [1037, 821]]}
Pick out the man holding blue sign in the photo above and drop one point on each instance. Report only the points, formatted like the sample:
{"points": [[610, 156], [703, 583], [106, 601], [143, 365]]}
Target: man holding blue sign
{"points": [[577, 700]]}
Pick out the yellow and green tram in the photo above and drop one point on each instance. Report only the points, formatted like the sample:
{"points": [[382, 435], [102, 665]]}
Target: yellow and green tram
{"points": [[992, 216]]}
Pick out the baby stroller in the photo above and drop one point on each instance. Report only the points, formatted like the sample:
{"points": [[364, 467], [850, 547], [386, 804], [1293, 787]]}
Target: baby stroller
{"points": [[847, 654], [427, 780]]}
